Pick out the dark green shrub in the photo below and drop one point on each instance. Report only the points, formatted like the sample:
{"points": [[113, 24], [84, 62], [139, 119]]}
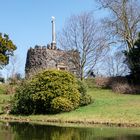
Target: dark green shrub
{"points": [[22, 102], [85, 100], [36, 96], [82, 87], [133, 61]]}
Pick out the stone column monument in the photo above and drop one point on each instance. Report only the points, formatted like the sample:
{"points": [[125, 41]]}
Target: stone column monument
{"points": [[53, 44], [49, 57]]}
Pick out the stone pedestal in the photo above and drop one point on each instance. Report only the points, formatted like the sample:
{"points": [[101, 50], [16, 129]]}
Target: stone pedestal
{"points": [[53, 46]]}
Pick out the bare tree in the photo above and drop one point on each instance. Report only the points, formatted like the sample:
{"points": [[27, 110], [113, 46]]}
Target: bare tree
{"points": [[82, 34], [114, 65], [123, 21], [12, 69]]}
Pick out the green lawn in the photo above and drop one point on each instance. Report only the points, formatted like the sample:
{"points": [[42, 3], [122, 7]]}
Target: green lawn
{"points": [[107, 107], [3, 97]]}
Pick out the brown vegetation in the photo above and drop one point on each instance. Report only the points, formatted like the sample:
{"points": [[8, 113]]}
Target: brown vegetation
{"points": [[107, 82], [117, 84], [125, 88]]}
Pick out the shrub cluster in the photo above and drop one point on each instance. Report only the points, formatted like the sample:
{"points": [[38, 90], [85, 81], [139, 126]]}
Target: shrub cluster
{"points": [[106, 82], [84, 98], [50, 91], [125, 88], [118, 84], [82, 87]]}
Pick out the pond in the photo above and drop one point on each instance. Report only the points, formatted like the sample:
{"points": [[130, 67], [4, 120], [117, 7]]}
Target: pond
{"points": [[28, 131]]}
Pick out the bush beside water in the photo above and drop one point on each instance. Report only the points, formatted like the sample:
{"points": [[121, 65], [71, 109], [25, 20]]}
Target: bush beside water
{"points": [[48, 92]]}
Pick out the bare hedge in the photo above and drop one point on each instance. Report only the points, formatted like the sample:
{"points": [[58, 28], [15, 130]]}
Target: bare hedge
{"points": [[117, 84]]}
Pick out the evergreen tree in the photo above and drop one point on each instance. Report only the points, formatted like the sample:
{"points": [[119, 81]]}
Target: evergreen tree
{"points": [[133, 60], [6, 49]]}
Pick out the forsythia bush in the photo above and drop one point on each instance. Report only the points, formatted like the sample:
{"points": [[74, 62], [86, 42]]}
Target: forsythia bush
{"points": [[50, 91]]}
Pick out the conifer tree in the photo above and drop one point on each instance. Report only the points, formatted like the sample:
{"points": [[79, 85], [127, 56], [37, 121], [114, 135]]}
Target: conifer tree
{"points": [[133, 60], [6, 49]]}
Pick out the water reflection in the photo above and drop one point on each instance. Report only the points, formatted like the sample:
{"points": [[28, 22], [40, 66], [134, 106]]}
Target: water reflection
{"points": [[26, 131]]}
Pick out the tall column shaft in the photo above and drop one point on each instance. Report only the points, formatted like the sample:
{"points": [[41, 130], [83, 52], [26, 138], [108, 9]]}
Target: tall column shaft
{"points": [[53, 30]]}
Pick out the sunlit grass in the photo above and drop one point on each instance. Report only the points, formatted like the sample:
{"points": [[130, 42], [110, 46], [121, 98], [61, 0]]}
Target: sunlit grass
{"points": [[106, 107]]}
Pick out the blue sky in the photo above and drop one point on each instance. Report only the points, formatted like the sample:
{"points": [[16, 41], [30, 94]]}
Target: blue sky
{"points": [[28, 22]]}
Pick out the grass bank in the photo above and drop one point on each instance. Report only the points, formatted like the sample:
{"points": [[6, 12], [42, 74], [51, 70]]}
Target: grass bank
{"points": [[108, 108]]}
